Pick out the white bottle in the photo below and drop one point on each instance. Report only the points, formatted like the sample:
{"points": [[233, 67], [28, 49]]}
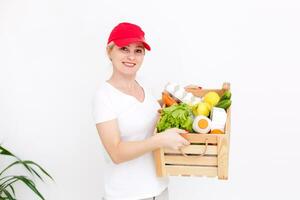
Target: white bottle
{"points": [[218, 120]]}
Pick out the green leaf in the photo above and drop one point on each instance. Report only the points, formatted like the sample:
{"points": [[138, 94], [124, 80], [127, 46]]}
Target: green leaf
{"points": [[179, 116], [5, 183], [8, 195], [35, 164], [12, 189], [11, 179], [9, 166], [4, 151], [29, 183], [16, 163], [7, 191], [26, 164]]}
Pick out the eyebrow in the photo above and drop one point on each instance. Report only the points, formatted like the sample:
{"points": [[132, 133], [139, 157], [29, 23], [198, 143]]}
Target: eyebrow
{"points": [[142, 47], [136, 46]]}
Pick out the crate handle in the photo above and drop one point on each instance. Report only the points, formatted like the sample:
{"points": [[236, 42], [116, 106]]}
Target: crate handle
{"points": [[202, 154], [226, 86]]}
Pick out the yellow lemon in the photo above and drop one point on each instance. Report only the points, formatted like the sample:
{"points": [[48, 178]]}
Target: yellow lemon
{"points": [[212, 98], [203, 108]]}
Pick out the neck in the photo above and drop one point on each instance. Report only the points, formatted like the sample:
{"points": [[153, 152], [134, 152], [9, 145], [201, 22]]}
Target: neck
{"points": [[122, 81]]}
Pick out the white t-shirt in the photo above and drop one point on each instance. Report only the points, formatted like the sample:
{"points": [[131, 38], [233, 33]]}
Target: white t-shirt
{"points": [[134, 179]]}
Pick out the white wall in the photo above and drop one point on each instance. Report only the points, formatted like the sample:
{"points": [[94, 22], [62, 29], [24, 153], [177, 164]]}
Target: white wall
{"points": [[52, 58]]}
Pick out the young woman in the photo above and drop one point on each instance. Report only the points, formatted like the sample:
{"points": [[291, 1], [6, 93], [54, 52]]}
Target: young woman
{"points": [[125, 114]]}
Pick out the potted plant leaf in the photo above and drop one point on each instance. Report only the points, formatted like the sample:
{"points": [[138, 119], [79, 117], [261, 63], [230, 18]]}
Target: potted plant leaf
{"points": [[7, 181]]}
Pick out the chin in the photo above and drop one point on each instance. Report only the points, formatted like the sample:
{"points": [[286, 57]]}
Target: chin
{"points": [[130, 71]]}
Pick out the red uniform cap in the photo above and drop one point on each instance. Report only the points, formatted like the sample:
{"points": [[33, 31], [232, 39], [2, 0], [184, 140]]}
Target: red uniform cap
{"points": [[126, 33]]}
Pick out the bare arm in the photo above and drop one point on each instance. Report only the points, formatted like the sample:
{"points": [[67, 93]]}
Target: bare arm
{"points": [[121, 151]]}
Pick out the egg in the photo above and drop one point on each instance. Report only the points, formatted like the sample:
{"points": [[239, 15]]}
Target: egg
{"points": [[188, 98], [217, 128], [180, 93], [202, 124], [171, 87], [196, 100]]}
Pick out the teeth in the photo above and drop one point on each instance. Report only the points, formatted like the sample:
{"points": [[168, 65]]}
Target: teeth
{"points": [[129, 64]]}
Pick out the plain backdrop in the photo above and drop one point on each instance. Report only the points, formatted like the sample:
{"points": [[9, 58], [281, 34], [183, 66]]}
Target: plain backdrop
{"points": [[52, 58]]}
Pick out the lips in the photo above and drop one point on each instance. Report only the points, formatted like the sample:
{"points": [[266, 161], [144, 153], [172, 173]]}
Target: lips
{"points": [[129, 64]]}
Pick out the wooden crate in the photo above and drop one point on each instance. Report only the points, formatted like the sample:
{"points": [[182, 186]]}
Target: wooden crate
{"points": [[207, 155]]}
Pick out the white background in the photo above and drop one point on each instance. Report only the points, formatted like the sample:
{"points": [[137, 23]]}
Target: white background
{"points": [[52, 56]]}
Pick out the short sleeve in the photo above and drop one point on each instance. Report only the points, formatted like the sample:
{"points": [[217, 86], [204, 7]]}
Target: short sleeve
{"points": [[101, 108]]}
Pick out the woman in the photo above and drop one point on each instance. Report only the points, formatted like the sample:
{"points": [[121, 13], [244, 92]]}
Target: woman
{"points": [[125, 114]]}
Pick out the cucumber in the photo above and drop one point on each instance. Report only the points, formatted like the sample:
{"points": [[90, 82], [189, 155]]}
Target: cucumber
{"points": [[224, 104], [226, 95]]}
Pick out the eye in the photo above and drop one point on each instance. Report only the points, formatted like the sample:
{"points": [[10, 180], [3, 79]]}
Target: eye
{"points": [[125, 49], [139, 51]]}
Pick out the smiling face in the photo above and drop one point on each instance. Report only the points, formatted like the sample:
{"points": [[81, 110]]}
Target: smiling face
{"points": [[128, 59]]}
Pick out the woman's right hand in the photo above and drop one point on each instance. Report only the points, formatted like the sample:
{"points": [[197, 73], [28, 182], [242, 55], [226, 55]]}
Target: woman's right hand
{"points": [[172, 139]]}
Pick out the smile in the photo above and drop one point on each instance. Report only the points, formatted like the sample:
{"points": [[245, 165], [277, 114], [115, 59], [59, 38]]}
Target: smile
{"points": [[127, 64]]}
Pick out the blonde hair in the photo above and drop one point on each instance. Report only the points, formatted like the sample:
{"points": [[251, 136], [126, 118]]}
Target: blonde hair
{"points": [[109, 48], [110, 45]]}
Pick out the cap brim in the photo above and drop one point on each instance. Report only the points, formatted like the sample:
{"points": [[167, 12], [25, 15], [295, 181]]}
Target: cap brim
{"points": [[127, 41]]}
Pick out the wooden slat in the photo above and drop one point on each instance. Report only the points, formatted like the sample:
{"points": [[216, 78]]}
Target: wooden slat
{"points": [[201, 93], [200, 138], [223, 157], [228, 121], [194, 171], [226, 86], [159, 158], [195, 149], [191, 160], [159, 162]]}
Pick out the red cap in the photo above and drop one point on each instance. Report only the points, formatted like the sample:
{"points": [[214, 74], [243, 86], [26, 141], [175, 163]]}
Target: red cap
{"points": [[126, 33]]}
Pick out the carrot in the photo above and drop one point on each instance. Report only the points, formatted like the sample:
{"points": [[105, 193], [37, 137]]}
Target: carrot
{"points": [[167, 99]]}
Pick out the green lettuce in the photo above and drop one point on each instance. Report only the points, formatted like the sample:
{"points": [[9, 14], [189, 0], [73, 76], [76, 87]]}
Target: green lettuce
{"points": [[176, 116]]}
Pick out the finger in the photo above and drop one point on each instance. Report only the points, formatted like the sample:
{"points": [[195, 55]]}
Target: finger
{"points": [[184, 135], [186, 143], [178, 130], [171, 129], [180, 146], [176, 148]]}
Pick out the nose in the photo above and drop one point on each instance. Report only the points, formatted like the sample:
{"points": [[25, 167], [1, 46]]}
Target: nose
{"points": [[131, 56]]}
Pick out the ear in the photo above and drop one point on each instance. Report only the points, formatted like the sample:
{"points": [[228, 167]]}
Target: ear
{"points": [[108, 52]]}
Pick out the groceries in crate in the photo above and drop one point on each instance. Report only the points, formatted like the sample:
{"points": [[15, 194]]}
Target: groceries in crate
{"points": [[199, 114]]}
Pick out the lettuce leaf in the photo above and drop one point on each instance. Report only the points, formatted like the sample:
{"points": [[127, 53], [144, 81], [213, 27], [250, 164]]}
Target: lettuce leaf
{"points": [[176, 116]]}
